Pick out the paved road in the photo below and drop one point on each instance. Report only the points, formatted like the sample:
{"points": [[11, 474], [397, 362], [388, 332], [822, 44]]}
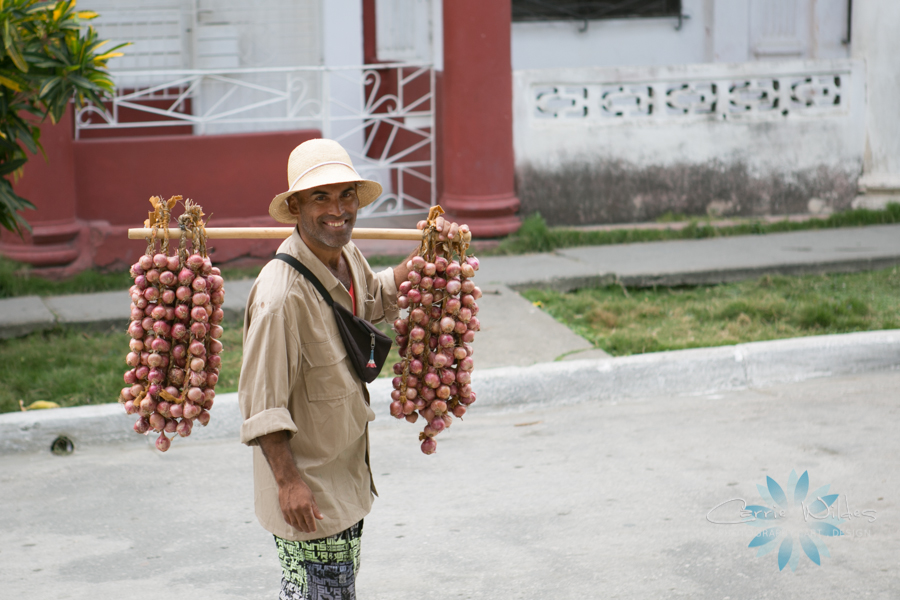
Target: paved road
{"points": [[596, 500]]}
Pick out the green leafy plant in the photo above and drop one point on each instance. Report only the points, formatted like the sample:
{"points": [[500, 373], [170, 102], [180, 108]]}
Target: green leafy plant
{"points": [[48, 57]]}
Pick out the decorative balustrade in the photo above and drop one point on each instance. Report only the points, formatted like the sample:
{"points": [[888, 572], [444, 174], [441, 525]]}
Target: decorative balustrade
{"points": [[382, 114]]}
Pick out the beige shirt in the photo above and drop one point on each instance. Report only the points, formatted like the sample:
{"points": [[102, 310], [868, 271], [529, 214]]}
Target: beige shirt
{"points": [[296, 377]]}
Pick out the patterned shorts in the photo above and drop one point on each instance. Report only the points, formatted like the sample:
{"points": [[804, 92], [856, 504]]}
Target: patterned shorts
{"points": [[322, 569]]}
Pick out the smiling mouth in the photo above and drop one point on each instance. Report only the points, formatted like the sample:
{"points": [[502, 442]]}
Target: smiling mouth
{"points": [[336, 224]]}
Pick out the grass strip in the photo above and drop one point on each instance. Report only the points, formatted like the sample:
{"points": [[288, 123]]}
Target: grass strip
{"points": [[768, 308], [536, 236], [76, 368]]}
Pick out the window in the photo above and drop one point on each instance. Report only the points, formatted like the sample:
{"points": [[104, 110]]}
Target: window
{"points": [[583, 10]]}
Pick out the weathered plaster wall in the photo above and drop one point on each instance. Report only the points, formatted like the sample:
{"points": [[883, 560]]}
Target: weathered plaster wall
{"points": [[623, 144]]}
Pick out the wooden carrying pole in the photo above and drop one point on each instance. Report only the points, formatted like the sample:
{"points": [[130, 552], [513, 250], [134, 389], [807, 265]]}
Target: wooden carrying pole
{"points": [[277, 233]]}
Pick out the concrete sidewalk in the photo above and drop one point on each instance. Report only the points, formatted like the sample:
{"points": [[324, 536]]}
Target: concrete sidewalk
{"points": [[685, 262]]}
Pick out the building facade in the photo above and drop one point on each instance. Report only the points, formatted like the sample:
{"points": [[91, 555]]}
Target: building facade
{"points": [[588, 112]]}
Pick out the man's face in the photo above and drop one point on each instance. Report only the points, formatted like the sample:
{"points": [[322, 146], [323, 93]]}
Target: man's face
{"points": [[326, 214]]}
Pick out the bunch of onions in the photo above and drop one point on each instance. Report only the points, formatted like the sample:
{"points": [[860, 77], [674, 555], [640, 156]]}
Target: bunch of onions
{"points": [[433, 378], [176, 315]]}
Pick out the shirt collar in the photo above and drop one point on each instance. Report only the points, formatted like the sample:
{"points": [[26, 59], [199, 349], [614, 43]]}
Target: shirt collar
{"points": [[302, 252]]}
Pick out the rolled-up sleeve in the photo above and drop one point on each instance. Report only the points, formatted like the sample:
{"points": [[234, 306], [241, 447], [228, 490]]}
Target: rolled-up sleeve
{"points": [[269, 371]]}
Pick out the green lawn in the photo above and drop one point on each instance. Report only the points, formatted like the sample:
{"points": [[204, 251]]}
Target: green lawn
{"points": [[73, 368], [768, 308]]}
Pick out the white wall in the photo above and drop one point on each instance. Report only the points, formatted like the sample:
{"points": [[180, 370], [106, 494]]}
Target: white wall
{"points": [[875, 40], [717, 31], [665, 116]]}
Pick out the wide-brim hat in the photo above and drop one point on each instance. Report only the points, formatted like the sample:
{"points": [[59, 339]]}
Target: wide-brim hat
{"points": [[316, 163]]}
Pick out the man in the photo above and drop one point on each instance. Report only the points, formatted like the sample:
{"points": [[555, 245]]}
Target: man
{"points": [[305, 410]]}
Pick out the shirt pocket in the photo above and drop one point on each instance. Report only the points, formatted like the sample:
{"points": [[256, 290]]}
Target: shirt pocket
{"points": [[327, 374]]}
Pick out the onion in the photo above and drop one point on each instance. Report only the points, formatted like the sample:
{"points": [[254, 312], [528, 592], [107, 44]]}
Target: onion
{"points": [[203, 417], [129, 407], [136, 345], [464, 376], [427, 299], [447, 376], [439, 284], [453, 287], [177, 411], [192, 410], [404, 288], [440, 264], [215, 331], [133, 359], [471, 260], [217, 298], [446, 340], [452, 306], [429, 269], [447, 325], [168, 278], [427, 283], [184, 428], [162, 442], [168, 296], [418, 263], [466, 270], [137, 269], [194, 262], [414, 278], [162, 328], [171, 425], [211, 380], [460, 353], [396, 409], [157, 422], [215, 282], [452, 269], [437, 424], [199, 284], [146, 262], [215, 347], [217, 316], [412, 418], [152, 276], [182, 312], [172, 263], [179, 331], [136, 390], [460, 328], [439, 406], [199, 330], [214, 361], [414, 296], [443, 392], [429, 446], [142, 372], [142, 425], [432, 380], [417, 348]]}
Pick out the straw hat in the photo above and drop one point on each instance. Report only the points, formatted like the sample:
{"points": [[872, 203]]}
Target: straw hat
{"points": [[320, 162]]}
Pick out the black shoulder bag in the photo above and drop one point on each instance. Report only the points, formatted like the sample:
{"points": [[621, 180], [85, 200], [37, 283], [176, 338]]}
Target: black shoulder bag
{"points": [[366, 346]]}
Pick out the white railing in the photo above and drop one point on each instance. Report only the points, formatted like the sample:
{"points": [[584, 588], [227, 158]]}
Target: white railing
{"points": [[382, 114]]}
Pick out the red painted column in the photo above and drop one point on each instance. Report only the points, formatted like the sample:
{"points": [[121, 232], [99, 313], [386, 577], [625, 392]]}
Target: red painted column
{"points": [[476, 136]]}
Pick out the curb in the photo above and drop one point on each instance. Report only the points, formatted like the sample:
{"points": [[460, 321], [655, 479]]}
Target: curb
{"points": [[682, 372]]}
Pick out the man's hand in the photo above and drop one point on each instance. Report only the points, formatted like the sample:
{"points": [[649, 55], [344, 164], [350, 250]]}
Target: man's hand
{"points": [[448, 230], [298, 505]]}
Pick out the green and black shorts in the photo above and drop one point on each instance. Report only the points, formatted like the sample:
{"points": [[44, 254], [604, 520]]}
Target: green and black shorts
{"points": [[321, 569]]}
